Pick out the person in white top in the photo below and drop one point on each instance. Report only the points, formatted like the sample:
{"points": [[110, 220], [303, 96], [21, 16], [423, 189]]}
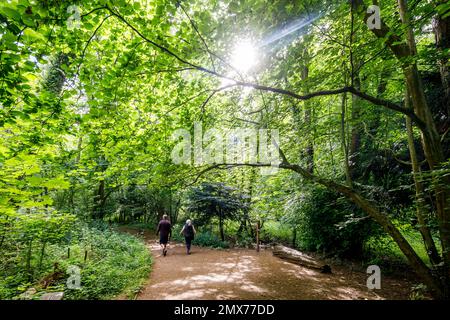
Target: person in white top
{"points": [[189, 233]]}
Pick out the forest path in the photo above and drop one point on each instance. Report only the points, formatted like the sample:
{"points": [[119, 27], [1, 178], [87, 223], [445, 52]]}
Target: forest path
{"points": [[246, 274]]}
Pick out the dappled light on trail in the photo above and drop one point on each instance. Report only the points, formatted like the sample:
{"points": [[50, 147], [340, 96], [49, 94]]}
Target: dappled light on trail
{"points": [[222, 274]]}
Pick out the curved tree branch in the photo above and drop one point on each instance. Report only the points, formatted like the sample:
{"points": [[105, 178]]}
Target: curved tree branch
{"points": [[380, 217], [89, 41]]}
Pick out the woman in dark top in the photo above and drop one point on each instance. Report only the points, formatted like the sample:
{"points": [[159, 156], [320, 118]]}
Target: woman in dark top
{"points": [[189, 233]]}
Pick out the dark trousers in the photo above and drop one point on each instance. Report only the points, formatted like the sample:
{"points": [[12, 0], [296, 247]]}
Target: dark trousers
{"points": [[188, 243]]}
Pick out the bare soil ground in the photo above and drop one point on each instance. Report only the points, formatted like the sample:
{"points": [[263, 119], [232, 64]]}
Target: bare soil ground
{"points": [[218, 274]]}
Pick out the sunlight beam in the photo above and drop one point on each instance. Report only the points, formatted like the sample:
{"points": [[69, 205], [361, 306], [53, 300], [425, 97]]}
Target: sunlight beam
{"points": [[296, 25], [244, 56]]}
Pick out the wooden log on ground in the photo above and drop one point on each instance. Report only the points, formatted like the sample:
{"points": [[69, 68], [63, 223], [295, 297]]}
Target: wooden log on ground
{"points": [[296, 257]]}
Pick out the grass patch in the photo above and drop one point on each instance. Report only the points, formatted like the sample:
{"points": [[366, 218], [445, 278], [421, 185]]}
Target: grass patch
{"points": [[383, 251], [275, 231]]}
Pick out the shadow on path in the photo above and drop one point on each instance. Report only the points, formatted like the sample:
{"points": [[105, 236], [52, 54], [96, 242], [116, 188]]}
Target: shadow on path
{"points": [[247, 274]]}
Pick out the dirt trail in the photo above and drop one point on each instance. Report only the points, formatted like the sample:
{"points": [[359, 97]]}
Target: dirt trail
{"points": [[245, 274]]}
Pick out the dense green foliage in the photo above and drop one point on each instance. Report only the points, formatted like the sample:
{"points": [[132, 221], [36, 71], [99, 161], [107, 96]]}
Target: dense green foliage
{"points": [[216, 200], [328, 223], [110, 264], [203, 238], [91, 93]]}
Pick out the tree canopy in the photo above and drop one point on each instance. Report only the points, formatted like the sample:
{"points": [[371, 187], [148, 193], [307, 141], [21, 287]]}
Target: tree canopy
{"points": [[92, 91]]}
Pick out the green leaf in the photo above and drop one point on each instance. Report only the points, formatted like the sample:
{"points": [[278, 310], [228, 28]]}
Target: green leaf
{"points": [[57, 183], [30, 35], [28, 21], [11, 13]]}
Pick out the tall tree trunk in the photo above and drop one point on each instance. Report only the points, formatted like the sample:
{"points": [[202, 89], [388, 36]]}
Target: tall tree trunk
{"points": [[421, 210], [294, 237], [343, 127], [433, 283], [99, 201], [441, 27], [355, 141], [356, 130], [344, 144], [430, 138], [309, 150], [222, 234], [432, 145]]}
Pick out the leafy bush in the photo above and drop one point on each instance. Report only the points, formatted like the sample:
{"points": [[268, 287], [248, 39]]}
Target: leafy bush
{"points": [[110, 264], [383, 251], [274, 231], [244, 241], [208, 239], [121, 262], [326, 222], [211, 201], [26, 242], [176, 236], [202, 239]]}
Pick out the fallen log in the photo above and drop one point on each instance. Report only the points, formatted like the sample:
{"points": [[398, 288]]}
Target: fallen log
{"points": [[296, 257]]}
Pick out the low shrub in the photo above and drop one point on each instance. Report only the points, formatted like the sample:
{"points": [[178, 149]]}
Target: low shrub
{"points": [[328, 223], [204, 238], [120, 265], [274, 231], [208, 239], [110, 263]]}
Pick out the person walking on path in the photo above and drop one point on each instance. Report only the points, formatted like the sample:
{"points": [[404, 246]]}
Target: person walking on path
{"points": [[165, 231], [189, 233]]}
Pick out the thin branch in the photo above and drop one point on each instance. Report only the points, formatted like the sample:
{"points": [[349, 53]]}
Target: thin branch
{"points": [[214, 91], [444, 134], [172, 70], [327, 35], [212, 95], [245, 120], [93, 10], [89, 41], [198, 33], [390, 105]]}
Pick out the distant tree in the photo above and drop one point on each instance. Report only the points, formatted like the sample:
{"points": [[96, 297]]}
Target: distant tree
{"points": [[217, 200]]}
